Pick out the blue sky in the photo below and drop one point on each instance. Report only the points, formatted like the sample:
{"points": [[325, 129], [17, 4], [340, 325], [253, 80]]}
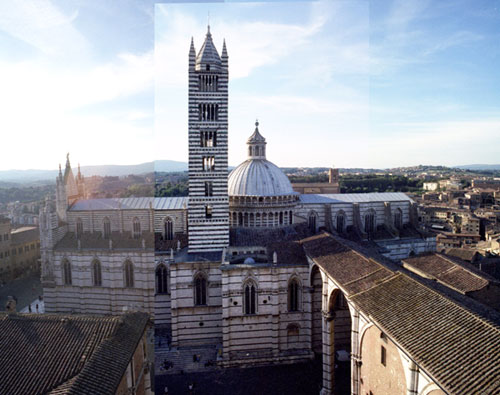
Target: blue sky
{"points": [[344, 83]]}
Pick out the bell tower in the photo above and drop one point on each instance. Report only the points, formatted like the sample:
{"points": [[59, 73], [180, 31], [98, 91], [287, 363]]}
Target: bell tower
{"points": [[208, 208]]}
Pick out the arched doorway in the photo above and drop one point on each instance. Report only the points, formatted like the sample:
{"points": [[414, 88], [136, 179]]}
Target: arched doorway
{"points": [[337, 345]]}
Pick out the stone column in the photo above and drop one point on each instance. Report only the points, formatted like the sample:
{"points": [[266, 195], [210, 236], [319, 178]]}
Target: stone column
{"points": [[328, 353], [355, 352], [413, 384]]}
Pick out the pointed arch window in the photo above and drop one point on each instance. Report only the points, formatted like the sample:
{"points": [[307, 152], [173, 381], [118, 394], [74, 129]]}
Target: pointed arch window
{"points": [[312, 221], [398, 219], [79, 228], [96, 273], [67, 272], [106, 228], [161, 279], [169, 229], [250, 298], [340, 222], [370, 222], [128, 269], [200, 290], [136, 228], [293, 295]]}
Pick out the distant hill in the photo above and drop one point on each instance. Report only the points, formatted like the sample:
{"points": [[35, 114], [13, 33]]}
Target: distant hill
{"points": [[479, 167], [35, 175]]}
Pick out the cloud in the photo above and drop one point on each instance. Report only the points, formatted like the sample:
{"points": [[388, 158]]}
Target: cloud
{"points": [[42, 25], [306, 106], [40, 88], [250, 44], [453, 40]]}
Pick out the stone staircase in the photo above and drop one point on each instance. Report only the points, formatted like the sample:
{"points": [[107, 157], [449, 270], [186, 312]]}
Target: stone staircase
{"points": [[179, 360]]}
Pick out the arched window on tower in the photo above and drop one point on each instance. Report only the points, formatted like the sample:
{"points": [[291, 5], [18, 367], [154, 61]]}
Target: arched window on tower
{"points": [[106, 228], [66, 268], [79, 228], [96, 273], [249, 298], [161, 279], [200, 290], [128, 275], [169, 229], [293, 295], [137, 228]]}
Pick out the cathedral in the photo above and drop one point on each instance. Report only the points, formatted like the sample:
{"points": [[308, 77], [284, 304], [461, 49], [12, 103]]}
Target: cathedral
{"points": [[244, 271]]}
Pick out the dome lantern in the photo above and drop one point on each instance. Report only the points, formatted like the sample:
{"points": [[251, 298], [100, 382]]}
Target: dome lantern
{"points": [[256, 144]]}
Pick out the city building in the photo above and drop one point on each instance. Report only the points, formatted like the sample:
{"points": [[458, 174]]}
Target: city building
{"points": [[19, 250]]}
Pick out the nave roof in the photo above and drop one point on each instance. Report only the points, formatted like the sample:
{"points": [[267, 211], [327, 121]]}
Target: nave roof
{"points": [[132, 203]]}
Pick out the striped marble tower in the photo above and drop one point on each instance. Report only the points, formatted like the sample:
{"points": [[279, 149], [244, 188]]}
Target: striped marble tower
{"points": [[208, 215]]}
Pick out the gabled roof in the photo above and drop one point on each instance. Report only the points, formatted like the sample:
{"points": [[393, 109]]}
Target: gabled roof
{"points": [[140, 203], [459, 349], [66, 354], [353, 271], [457, 345], [355, 197], [462, 277]]}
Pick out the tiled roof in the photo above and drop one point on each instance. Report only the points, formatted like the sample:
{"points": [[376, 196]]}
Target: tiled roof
{"points": [[457, 343], [355, 197], [447, 271], [25, 235], [353, 271], [462, 253], [459, 349], [67, 354], [142, 203], [288, 252]]}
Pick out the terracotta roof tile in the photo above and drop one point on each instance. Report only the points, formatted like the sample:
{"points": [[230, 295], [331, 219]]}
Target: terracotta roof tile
{"points": [[458, 348], [66, 353], [450, 273]]}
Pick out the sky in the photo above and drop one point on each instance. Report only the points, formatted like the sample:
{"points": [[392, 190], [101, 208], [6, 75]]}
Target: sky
{"points": [[333, 83]]}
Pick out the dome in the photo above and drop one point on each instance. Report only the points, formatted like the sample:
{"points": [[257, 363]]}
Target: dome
{"points": [[258, 177]]}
